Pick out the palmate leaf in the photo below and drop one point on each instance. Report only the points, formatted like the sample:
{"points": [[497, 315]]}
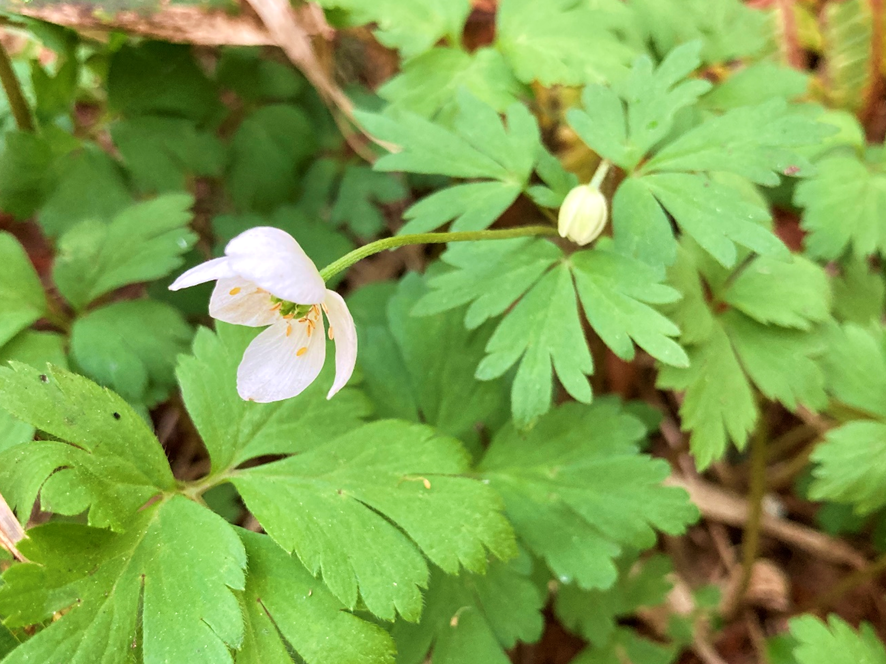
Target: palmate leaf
{"points": [[144, 242], [578, 491], [22, 300], [847, 470], [106, 459], [428, 84], [422, 368], [122, 594], [849, 348], [473, 618], [628, 646], [360, 190], [559, 42], [363, 507], [835, 642], [543, 329], [479, 147], [286, 609], [734, 350], [235, 430], [842, 208], [410, 27]]}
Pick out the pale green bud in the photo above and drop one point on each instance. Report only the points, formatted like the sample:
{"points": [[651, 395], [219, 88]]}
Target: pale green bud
{"points": [[583, 214]]}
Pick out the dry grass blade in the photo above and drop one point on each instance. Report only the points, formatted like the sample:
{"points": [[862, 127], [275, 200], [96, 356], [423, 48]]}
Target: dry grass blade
{"points": [[10, 530]]}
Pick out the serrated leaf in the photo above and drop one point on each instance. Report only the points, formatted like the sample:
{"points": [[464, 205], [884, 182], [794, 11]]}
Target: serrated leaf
{"points": [[628, 646], [411, 27], [751, 141], [859, 293], [361, 189], [847, 33], [577, 490], [595, 613], [422, 368], [131, 348], [24, 172], [640, 227], [336, 506], [22, 300], [850, 348], [427, 84], [143, 242], [235, 430], [473, 618], [624, 125], [842, 208], [87, 186], [845, 472], [266, 152], [106, 450], [560, 42], [756, 83], [615, 293], [835, 642], [287, 608], [121, 591], [161, 153]]}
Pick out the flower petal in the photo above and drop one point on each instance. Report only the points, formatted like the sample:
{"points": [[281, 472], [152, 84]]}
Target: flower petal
{"points": [[241, 302], [217, 268], [272, 368], [344, 332], [273, 259]]}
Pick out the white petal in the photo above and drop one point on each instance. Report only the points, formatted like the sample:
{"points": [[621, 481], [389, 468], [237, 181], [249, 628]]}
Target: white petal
{"points": [[217, 268], [344, 332], [273, 259], [241, 302], [273, 370]]}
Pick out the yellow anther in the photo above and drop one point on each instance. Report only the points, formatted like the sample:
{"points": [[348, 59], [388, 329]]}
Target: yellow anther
{"points": [[277, 306], [330, 332], [288, 329], [301, 351], [234, 291]]}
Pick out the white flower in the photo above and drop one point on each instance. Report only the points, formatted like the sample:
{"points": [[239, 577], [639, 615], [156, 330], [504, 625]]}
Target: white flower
{"points": [[265, 278], [583, 214]]}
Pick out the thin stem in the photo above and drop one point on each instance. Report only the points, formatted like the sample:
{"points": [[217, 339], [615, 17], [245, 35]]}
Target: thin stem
{"points": [[601, 173], [17, 102], [349, 259], [751, 539]]}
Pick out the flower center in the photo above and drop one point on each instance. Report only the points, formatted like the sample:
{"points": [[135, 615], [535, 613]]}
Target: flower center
{"points": [[291, 309]]}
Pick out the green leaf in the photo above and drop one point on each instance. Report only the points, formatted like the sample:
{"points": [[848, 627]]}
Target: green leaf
{"points": [[628, 646], [577, 489], [859, 293], [835, 642], [88, 186], [847, 33], [640, 227], [110, 460], [479, 146], [359, 193], [756, 83], [119, 592], [254, 78], [615, 292], [560, 42], [623, 125], [22, 300], [131, 348], [595, 613], [841, 208], [157, 78], [845, 472], [428, 84], [266, 152], [363, 506], [25, 166], [411, 27], [473, 618], [235, 430], [161, 153], [850, 348], [287, 608], [422, 368], [143, 242], [752, 141]]}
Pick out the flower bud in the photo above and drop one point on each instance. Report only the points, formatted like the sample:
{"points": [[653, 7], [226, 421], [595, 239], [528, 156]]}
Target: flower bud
{"points": [[583, 214]]}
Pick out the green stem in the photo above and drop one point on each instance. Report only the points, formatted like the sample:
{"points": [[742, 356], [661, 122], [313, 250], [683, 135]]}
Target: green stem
{"points": [[600, 174], [349, 259], [17, 102]]}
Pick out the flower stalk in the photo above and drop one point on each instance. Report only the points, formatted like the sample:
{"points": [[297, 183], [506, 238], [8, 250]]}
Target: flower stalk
{"points": [[17, 102]]}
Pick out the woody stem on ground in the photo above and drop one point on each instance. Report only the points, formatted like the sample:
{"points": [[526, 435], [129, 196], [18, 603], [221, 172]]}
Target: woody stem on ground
{"points": [[17, 102], [359, 254]]}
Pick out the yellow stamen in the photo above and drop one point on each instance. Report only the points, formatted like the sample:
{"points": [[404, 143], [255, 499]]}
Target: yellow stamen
{"points": [[234, 291], [330, 332], [277, 306], [289, 316], [301, 351], [288, 329], [325, 308]]}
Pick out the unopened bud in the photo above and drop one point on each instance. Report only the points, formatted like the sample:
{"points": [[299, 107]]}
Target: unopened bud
{"points": [[583, 214]]}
